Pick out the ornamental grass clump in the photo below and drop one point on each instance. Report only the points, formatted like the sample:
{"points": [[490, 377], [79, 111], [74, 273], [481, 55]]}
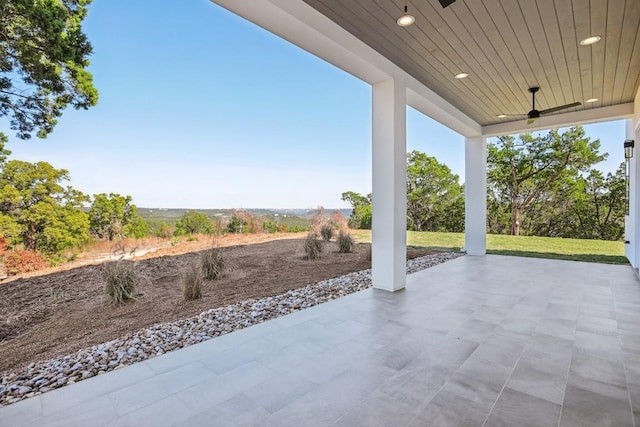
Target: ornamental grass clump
{"points": [[213, 264], [192, 282], [326, 231], [345, 242], [121, 281], [312, 246]]}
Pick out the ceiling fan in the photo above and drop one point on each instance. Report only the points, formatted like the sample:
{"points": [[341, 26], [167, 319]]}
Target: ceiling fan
{"points": [[446, 3], [534, 114]]}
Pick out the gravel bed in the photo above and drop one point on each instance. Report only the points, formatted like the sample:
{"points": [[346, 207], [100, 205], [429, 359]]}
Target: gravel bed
{"points": [[40, 377]]}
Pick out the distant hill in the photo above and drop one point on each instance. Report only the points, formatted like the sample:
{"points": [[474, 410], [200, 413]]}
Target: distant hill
{"points": [[301, 217], [178, 212]]}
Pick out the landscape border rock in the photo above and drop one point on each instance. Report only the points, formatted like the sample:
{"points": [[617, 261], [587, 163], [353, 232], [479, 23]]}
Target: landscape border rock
{"points": [[43, 376]]}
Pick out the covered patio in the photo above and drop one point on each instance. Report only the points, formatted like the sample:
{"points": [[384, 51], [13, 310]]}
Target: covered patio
{"points": [[473, 67], [477, 341]]}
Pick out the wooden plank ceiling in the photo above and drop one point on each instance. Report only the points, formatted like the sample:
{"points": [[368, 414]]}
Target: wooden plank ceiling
{"points": [[506, 46]]}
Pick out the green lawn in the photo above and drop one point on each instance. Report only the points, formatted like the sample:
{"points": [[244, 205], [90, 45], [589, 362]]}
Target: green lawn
{"points": [[528, 246]]}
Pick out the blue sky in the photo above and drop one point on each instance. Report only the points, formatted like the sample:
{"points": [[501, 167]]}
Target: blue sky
{"points": [[201, 109]]}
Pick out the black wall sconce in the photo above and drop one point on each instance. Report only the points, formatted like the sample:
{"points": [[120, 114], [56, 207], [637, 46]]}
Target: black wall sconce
{"points": [[628, 155], [628, 148]]}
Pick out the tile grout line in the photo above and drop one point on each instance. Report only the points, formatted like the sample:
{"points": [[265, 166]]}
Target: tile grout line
{"points": [[566, 384], [624, 369], [446, 381], [503, 387], [624, 364], [571, 362], [507, 381]]}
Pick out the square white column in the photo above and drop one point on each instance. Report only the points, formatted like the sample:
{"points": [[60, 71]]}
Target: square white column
{"points": [[389, 223], [475, 195]]}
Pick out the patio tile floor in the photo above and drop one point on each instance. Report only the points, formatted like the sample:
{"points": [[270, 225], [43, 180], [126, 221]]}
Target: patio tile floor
{"points": [[477, 341]]}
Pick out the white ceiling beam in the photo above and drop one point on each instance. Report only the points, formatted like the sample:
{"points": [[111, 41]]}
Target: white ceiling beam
{"points": [[434, 106], [593, 115], [636, 109], [305, 27]]}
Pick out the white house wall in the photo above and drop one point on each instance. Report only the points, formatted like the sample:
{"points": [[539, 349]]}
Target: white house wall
{"points": [[632, 221]]}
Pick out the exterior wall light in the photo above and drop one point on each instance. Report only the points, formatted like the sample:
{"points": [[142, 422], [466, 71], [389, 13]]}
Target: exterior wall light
{"points": [[628, 148], [628, 155]]}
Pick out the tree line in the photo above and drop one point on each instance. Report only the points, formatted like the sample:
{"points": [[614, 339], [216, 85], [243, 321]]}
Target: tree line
{"points": [[39, 211], [543, 185]]}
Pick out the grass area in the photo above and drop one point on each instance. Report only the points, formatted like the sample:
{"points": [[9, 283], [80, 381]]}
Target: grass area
{"points": [[526, 246]]}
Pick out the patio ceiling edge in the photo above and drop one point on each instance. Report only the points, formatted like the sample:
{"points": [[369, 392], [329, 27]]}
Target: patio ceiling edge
{"points": [[305, 27]]}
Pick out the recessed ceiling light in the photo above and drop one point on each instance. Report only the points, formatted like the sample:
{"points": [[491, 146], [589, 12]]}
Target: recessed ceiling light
{"points": [[502, 116], [406, 19], [591, 100], [590, 40], [461, 75]]}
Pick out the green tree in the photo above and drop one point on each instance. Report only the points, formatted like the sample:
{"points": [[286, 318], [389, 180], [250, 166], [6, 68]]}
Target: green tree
{"points": [[362, 212], [10, 230], [237, 224], [138, 228], [111, 215], [523, 171], [34, 205], [43, 61], [435, 198], [600, 207], [4, 153], [193, 222]]}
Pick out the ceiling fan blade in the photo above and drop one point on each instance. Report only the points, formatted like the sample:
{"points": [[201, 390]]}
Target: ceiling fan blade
{"points": [[560, 108], [446, 3], [531, 121]]}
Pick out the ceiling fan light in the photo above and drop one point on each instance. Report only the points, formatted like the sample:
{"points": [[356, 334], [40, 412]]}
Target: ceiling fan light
{"points": [[590, 40], [461, 75]]}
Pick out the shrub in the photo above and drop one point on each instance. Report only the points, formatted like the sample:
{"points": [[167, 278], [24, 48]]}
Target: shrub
{"points": [[192, 282], [193, 222], [345, 242], [137, 228], [20, 261], [120, 281], [213, 264], [326, 231], [161, 229], [269, 226], [237, 225], [337, 220], [312, 246]]}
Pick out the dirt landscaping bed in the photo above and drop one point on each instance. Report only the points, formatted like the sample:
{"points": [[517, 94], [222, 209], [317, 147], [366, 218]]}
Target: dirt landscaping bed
{"points": [[59, 313]]}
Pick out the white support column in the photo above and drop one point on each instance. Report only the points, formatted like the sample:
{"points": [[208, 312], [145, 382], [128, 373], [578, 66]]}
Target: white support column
{"points": [[389, 228], [475, 192]]}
